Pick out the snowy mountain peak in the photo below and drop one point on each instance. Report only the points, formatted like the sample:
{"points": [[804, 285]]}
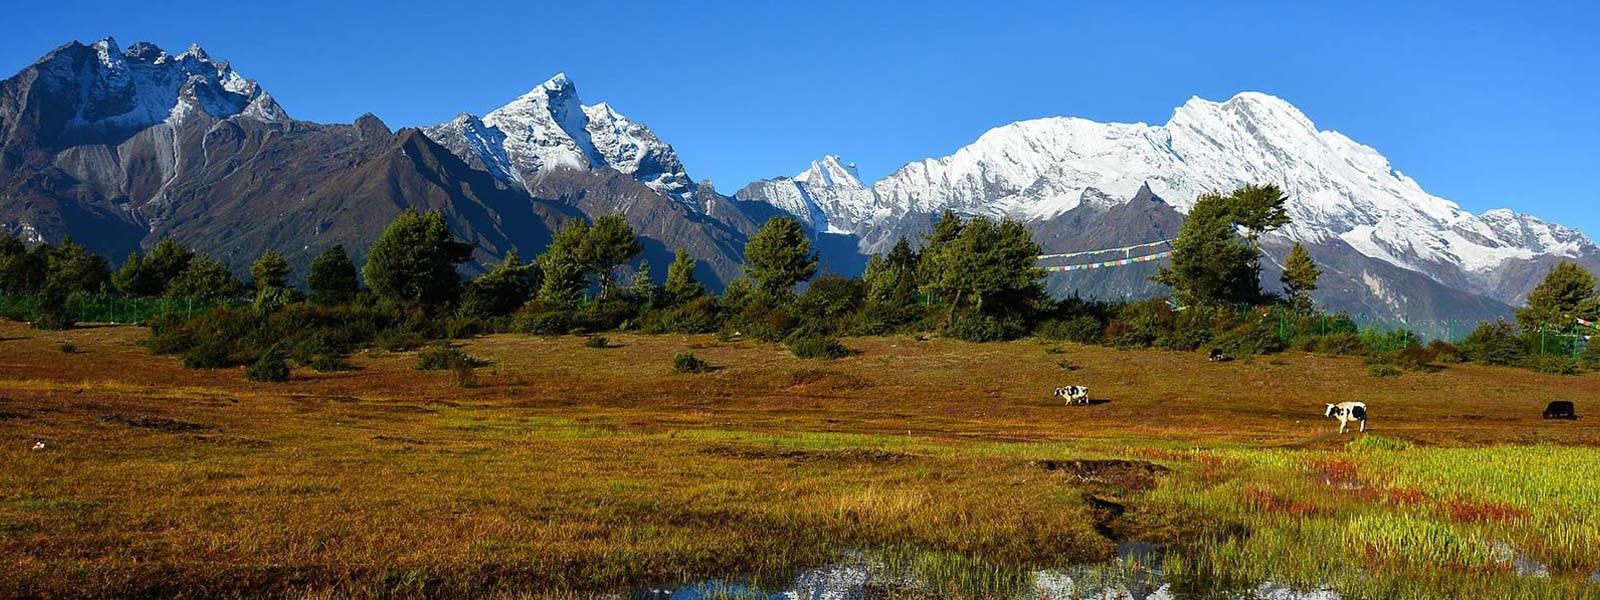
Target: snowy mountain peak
{"points": [[829, 172], [550, 128], [111, 93]]}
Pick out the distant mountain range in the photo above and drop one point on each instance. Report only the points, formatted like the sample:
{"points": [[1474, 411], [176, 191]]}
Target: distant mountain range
{"points": [[120, 147]]}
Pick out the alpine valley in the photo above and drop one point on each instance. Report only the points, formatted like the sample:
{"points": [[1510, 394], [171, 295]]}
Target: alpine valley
{"points": [[121, 147]]}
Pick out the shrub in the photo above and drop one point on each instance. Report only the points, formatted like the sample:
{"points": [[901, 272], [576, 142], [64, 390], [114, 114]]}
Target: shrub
{"points": [[1249, 339], [684, 362], [1333, 344], [465, 372], [597, 341], [329, 363], [52, 320], [985, 328], [399, 339], [1591, 354], [815, 346], [542, 322], [68, 348], [1381, 370], [1445, 352], [701, 315], [1494, 343], [208, 353], [271, 367], [437, 356], [1554, 364], [1414, 358], [1082, 329]]}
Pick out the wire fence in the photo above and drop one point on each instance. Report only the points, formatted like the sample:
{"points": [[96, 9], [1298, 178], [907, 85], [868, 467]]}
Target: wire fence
{"points": [[104, 309]]}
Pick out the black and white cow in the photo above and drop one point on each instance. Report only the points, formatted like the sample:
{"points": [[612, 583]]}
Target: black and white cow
{"points": [[1346, 412], [1073, 394], [1219, 356]]}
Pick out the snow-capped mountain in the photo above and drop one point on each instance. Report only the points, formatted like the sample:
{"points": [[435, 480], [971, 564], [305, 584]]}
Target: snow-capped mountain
{"points": [[1340, 192], [826, 197], [549, 129], [120, 91]]}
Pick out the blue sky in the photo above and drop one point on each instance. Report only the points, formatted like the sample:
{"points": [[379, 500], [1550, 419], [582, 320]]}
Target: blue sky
{"points": [[1488, 104]]}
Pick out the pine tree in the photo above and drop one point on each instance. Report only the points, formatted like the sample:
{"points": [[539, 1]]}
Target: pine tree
{"points": [[645, 292], [414, 261], [205, 279], [562, 265], [681, 285], [502, 290], [1300, 274], [76, 269], [779, 256], [269, 271], [332, 278], [1567, 293], [891, 281], [608, 244], [165, 261]]}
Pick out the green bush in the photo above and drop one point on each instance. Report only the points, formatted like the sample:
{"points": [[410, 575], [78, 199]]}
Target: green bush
{"points": [[684, 362], [815, 346], [208, 353], [399, 339], [68, 348], [1249, 339], [985, 328], [329, 363], [1082, 329], [438, 356], [1333, 344], [597, 341], [1413, 358], [1495, 343], [271, 367], [1554, 364], [1445, 352], [542, 322], [1381, 370], [701, 315]]}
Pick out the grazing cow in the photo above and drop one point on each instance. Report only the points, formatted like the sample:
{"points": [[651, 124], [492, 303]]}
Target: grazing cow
{"points": [[1561, 409], [1218, 356], [1346, 412], [1073, 394]]}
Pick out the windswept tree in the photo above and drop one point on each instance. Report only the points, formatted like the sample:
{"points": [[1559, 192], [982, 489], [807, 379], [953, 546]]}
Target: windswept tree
{"points": [[562, 266], [414, 261], [681, 285], [332, 278], [1567, 293], [607, 245], [1300, 274], [779, 256], [1211, 263]]}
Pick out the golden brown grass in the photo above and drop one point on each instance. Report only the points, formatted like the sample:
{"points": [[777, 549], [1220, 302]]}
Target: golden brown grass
{"points": [[571, 468]]}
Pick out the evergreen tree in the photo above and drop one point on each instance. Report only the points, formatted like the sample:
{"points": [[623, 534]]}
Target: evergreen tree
{"points": [[133, 278], [1567, 293], [269, 271], [609, 243], [165, 261], [645, 291], [891, 281], [76, 269], [1211, 264], [1299, 278], [562, 265], [681, 286], [205, 279], [414, 261], [332, 278], [779, 256], [502, 290], [22, 271], [1258, 209]]}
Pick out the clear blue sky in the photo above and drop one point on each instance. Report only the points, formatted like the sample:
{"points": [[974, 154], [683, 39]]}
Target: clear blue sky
{"points": [[1489, 104]]}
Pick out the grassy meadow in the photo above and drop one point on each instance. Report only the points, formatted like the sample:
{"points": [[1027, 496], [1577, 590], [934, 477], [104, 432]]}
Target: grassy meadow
{"points": [[571, 470]]}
